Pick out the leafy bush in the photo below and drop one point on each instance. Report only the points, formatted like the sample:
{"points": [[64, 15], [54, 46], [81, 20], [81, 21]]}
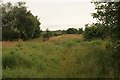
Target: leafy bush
{"points": [[93, 32], [72, 31], [80, 31]]}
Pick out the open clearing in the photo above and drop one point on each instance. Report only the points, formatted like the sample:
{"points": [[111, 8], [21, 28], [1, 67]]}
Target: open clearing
{"points": [[66, 56]]}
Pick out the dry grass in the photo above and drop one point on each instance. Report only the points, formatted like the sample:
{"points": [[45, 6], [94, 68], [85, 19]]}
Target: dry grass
{"points": [[55, 38], [66, 36], [10, 44]]}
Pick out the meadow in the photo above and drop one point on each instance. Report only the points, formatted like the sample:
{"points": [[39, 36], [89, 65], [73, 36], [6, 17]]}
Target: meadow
{"points": [[65, 56]]}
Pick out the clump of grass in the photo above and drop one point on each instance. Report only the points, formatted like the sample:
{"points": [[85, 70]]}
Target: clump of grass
{"points": [[9, 60], [14, 58], [18, 45], [71, 42]]}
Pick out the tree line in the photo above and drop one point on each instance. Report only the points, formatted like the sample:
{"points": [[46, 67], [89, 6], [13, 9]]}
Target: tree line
{"points": [[19, 23], [45, 35]]}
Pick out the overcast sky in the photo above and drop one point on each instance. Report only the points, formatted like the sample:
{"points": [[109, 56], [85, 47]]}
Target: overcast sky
{"points": [[60, 14]]}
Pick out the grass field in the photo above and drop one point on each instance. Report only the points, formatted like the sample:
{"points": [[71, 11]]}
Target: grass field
{"points": [[66, 56]]}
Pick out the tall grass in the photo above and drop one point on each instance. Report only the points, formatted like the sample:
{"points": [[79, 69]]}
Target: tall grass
{"points": [[67, 58]]}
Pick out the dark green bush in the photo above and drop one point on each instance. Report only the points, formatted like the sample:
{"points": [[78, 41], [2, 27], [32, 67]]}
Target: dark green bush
{"points": [[72, 31], [93, 32]]}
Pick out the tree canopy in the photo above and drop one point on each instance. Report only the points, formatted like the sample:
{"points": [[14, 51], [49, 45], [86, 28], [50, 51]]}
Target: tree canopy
{"points": [[18, 22], [108, 14], [71, 31], [93, 31]]}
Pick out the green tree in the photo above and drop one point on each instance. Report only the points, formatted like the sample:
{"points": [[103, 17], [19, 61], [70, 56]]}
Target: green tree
{"points": [[93, 31], [108, 14], [72, 31], [18, 23], [80, 31]]}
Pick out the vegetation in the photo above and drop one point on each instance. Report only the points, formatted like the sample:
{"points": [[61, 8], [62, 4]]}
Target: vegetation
{"points": [[71, 31], [71, 53], [93, 31], [66, 56], [46, 35], [80, 31], [109, 15], [18, 23]]}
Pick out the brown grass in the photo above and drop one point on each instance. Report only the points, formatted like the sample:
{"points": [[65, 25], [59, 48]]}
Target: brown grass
{"points": [[66, 36], [10, 43], [55, 38]]}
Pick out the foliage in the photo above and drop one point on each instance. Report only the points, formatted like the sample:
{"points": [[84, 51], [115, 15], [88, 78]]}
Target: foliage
{"points": [[108, 14], [80, 31], [18, 23], [93, 31], [46, 35], [72, 31], [58, 32]]}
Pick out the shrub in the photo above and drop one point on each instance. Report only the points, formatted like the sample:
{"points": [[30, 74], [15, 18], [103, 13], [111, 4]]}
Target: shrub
{"points": [[72, 31], [93, 32], [80, 31]]}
